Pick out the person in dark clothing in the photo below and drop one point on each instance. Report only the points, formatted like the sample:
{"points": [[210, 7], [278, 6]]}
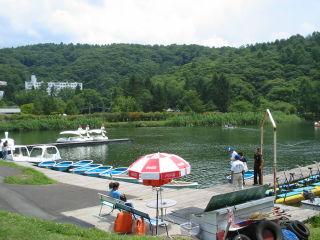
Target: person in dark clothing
{"points": [[257, 168]]}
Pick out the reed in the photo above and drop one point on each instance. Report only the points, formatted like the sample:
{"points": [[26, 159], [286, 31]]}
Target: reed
{"points": [[157, 119], [221, 119]]}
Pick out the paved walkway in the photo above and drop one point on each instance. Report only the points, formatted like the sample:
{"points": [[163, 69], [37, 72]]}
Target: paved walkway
{"points": [[75, 199]]}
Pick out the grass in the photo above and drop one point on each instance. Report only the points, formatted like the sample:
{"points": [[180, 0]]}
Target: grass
{"points": [[157, 119], [15, 226], [27, 176], [314, 226]]}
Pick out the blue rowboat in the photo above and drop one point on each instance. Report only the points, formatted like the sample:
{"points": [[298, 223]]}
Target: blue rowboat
{"points": [[62, 166], [81, 170], [47, 164], [303, 188], [81, 163], [125, 178], [96, 171], [114, 172]]}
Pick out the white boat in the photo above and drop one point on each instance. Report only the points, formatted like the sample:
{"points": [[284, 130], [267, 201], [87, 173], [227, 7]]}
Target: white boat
{"points": [[42, 153], [311, 204], [74, 136], [98, 134], [19, 153]]}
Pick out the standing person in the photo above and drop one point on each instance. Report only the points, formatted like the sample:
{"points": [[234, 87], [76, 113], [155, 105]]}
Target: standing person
{"points": [[258, 164], [233, 153], [245, 164], [5, 150], [103, 130], [115, 193], [244, 160], [237, 171], [80, 129], [87, 130]]}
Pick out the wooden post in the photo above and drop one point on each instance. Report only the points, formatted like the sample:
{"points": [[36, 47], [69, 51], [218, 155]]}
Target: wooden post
{"points": [[268, 113]]}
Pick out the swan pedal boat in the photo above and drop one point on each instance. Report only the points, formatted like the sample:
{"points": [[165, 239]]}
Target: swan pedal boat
{"points": [[98, 134], [76, 136]]}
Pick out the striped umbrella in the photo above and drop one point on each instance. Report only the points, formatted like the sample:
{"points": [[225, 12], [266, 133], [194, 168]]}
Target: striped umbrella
{"points": [[158, 169]]}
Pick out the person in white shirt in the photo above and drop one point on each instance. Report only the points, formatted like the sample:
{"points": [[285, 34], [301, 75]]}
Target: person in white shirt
{"points": [[237, 171], [233, 153]]}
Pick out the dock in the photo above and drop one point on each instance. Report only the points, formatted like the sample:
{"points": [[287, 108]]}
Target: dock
{"points": [[86, 143], [189, 201]]}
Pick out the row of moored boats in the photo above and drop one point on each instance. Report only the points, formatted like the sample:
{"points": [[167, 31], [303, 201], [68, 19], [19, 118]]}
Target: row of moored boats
{"points": [[88, 168]]}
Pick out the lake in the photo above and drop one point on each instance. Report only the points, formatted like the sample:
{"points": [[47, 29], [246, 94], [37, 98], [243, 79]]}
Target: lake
{"points": [[205, 148]]}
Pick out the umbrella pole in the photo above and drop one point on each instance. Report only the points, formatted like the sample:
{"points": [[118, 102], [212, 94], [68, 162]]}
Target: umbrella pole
{"points": [[157, 214]]}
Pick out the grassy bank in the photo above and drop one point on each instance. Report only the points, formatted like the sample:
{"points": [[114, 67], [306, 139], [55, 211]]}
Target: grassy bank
{"points": [[27, 176], [314, 227], [13, 226], [32, 122]]}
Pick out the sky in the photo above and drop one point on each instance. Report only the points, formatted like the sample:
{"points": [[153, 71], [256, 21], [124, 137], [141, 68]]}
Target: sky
{"points": [[213, 23]]}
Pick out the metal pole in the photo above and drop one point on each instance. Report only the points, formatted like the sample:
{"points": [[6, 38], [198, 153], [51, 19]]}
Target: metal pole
{"points": [[157, 213], [275, 161], [261, 151]]}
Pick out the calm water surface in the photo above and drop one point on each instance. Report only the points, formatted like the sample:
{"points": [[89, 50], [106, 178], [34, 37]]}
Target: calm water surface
{"points": [[205, 148]]}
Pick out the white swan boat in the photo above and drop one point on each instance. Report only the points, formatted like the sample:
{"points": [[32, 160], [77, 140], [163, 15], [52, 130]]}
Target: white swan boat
{"points": [[74, 136], [38, 153], [43, 153], [19, 153], [98, 134]]}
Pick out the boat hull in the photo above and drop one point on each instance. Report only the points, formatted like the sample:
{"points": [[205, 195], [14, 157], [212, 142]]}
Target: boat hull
{"points": [[313, 205], [296, 198]]}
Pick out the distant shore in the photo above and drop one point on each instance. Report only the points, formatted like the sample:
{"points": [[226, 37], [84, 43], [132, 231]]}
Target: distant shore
{"points": [[137, 119]]}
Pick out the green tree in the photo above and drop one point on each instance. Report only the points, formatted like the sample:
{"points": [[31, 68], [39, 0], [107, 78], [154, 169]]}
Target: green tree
{"points": [[191, 101], [71, 108], [27, 108]]}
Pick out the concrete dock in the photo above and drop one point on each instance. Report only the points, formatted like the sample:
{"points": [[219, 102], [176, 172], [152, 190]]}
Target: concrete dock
{"points": [[188, 200]]}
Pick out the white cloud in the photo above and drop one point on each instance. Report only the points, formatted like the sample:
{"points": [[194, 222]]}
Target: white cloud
{"points": [[307, 28], [280, 35], [206, 22]]}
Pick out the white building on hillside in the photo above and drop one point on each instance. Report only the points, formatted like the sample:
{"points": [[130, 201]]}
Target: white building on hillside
{"points": [[56, 85]]}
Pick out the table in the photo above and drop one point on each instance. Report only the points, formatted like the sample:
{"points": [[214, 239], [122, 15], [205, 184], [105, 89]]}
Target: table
{"points": [[162, 204]]}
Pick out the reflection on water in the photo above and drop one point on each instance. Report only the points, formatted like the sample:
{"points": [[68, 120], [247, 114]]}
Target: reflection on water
{"points": [[98, 153], [204, 147]]}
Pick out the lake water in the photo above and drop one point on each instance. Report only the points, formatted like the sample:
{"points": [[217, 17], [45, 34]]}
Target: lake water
{"points": [[205, 148]]}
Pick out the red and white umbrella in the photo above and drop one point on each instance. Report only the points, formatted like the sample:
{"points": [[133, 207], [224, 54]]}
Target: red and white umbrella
{"points": [[159, 166], [157, 169]]}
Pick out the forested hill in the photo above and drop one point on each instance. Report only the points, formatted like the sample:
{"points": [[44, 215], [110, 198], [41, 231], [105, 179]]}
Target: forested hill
{"points": [[282, 75]]}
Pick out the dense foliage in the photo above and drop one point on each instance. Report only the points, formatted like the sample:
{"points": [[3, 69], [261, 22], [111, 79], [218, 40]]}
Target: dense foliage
{"points": [[283, 75]]}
